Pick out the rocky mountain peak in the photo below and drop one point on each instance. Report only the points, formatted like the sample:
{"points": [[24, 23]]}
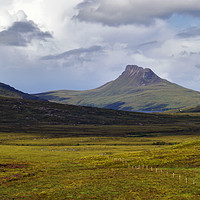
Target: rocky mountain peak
{"points": [[140, 76], [133, 68]]}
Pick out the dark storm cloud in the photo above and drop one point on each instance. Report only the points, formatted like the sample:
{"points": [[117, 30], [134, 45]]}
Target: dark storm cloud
{"points": [[116, 12], [22, 33], [79, 54], [190, 32]]}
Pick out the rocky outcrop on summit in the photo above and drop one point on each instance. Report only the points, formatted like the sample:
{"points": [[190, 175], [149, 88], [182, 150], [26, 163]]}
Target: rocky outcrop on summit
{"points": [[134, 70], [140, 76]]}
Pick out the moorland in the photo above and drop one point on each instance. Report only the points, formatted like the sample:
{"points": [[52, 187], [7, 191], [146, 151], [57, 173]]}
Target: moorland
{"points": [[55, 151]]}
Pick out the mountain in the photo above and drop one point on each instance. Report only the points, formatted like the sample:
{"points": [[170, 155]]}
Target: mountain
{"points": [[136, 89], [8, 91]]}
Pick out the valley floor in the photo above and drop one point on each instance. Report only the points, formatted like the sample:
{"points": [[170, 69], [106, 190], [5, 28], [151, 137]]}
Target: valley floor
{"points": [[34, 166]]}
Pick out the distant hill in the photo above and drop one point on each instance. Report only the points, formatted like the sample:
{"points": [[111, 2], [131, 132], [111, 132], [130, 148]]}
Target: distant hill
{"points": [[8, 91], [136, 89], [21, 112], [43, 117]]}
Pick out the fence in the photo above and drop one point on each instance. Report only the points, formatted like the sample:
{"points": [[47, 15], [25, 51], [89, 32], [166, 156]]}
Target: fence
{"points": [[156, 170]]}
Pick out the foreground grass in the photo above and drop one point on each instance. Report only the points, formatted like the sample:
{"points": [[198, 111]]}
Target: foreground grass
{"points": [[34, 166]]}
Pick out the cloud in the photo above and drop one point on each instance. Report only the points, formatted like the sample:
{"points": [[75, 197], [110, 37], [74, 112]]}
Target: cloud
{"points": [[197, 66], [147, 44], [190, 32], [78, 55], [118, 12], [22, 33]]}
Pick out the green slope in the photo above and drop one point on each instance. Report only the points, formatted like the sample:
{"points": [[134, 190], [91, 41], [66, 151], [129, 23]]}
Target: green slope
{"points": [[195, 109], [136, 89], [191, 109], [8, 91]]}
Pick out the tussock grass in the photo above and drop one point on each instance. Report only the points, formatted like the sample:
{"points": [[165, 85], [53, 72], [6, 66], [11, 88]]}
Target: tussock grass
{"points": [[34, 166]]}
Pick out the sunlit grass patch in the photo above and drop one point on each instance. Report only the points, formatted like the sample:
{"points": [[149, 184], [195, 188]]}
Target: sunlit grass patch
{"points": [[43, 167]]}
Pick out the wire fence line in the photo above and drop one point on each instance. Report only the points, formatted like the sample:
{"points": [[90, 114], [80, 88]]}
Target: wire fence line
{"points": [[175, 176]]}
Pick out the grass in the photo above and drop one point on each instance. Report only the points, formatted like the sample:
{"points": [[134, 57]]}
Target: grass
{"points": [[35, 166], [190, 109]]}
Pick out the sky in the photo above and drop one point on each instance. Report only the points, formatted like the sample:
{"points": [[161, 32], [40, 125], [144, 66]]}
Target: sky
{"points": [[49, 45]]}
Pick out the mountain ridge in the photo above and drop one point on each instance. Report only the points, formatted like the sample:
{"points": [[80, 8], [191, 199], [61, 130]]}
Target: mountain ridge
{"points": [[8, 91], [136, 89]]}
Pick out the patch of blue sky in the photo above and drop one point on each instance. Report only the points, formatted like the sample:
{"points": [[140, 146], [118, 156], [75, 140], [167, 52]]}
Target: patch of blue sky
{"points": [[182, 21]]}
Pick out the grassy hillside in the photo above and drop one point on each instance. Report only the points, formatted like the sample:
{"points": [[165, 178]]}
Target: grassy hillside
{"points": [[156, 97], [8, 91], [136, 89], [46, 117], [30, 112], [192, 109]]}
